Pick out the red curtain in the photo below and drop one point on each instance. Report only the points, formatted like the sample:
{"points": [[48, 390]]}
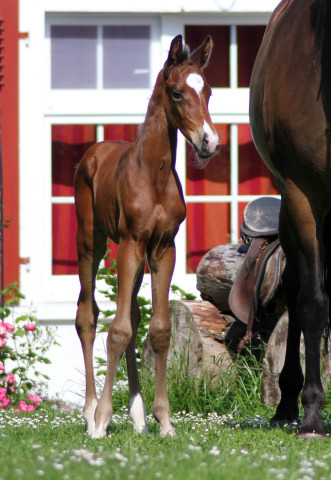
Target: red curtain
{"points": [[215, 178], [249, 39], [207, 225], [218, 70], [69, 143], [254, 177], [64, 226]]}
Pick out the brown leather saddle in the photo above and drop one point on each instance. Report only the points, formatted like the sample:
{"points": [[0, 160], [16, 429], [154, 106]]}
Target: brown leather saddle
{"points": [[260, 275]]}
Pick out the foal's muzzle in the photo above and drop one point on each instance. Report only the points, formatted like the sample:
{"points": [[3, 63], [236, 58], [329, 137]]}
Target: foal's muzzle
{"points": [[209, 145]]}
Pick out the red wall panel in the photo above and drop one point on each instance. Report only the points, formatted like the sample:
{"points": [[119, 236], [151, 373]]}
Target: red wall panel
{"points": [[9, 133]]}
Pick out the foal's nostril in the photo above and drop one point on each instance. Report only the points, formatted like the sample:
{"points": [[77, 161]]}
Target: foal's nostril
{"points": [[205, 141]]}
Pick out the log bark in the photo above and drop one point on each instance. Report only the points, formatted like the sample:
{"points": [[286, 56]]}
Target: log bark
{"points": [[195, 327], [274, 359], [217, 271]]}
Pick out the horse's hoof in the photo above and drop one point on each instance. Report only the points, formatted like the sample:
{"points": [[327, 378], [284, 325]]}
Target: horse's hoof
{"points": [[311, 436], [282, 423]]}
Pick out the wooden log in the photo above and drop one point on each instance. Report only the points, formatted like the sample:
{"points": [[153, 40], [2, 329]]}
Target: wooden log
{"points": [[217, 271], [195, 327], [274, 358]]}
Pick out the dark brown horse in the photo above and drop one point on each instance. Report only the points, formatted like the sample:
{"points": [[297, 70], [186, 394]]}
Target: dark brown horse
{"points": [[132, 194], [290, 112]]}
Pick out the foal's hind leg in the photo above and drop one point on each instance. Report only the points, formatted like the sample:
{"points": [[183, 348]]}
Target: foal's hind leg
{"points": [[91, 247], [162, 270]]}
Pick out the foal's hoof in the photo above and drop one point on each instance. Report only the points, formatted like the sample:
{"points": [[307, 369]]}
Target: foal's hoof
{"points": [[168, 432], [98, 433]]}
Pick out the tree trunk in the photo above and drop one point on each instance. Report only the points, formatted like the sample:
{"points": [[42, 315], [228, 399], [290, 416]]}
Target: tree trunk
{"points": [[217, 271], [195, 329]]}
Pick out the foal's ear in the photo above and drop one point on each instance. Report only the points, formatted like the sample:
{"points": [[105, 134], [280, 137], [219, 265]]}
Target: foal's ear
{"points": [[175, 53], [201, 55]]}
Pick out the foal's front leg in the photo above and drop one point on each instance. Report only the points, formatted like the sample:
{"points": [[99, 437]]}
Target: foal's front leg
{"points": [[137, 411], [129, 266], [159, 330]]}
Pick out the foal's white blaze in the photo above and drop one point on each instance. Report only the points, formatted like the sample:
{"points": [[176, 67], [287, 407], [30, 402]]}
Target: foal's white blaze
{"points": [[137, 413], [195, 81]]}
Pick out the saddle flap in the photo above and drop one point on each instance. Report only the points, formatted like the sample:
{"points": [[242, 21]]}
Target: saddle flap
{"points": [[241, 298], [272, 275]]}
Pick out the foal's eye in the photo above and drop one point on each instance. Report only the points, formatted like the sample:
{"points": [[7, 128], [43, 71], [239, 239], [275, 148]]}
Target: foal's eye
{"points": [[176, 95]]}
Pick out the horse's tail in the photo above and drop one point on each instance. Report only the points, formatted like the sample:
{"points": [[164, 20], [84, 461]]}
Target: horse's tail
{"points": [[327, 273]]}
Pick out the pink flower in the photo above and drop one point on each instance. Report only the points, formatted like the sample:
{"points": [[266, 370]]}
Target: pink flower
{"points": [[2, 342], [35, 399], [24, 407], [2, 368], [4, 403], [10, 379], [8, 326], [3, 329], [30, 327], [3, 392]]}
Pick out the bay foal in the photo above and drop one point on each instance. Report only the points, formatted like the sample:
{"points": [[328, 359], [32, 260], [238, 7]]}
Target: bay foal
{"points": [[132, 194]]}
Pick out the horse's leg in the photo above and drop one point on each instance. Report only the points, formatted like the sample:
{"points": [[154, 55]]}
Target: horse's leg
{"points": [[312, 304], [137, 411], [291, 377], [91, 247], [162, 270], [129, 267]]}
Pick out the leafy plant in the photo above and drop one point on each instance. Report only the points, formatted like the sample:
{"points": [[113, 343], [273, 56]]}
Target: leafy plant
{"points": [[23, 346]]}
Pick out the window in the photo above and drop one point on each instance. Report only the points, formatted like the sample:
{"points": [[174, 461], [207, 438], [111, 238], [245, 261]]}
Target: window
{"points": [[92, 57]]}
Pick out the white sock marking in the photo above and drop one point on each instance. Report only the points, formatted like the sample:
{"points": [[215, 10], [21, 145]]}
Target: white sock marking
{"points": [[137, 414], [195, 81]]}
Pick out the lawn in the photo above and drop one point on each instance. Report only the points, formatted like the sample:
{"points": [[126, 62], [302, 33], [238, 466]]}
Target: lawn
{"points": [[52, 444]]}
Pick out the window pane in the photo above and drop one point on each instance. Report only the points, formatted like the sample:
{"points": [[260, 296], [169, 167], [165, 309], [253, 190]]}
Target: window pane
{"points": [[64, 226], [126, 57], [217, 72], [249, 40], [254, 177], [69, 143], [214, 179], [207, 225], [73, 56], [126, 132]]}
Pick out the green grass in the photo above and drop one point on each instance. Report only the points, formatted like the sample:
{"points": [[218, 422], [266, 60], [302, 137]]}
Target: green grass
{"points": [[222, 433], [52, 445]]}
